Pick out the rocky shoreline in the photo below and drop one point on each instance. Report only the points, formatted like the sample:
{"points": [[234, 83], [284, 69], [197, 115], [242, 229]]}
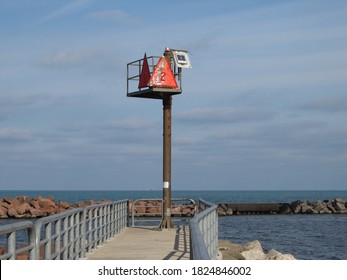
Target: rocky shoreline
{"points": [[249, 251], [24, 207]]}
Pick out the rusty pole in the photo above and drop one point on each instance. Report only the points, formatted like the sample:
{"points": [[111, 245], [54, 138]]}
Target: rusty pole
{"points": [[167, 104], [166, 221]]}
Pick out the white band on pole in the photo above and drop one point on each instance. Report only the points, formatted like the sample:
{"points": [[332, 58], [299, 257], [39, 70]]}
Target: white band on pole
{"points": [[166, 185]]}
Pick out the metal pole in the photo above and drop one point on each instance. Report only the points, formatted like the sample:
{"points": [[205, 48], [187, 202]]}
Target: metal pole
{"points": [[167, 104], [166, 221]]}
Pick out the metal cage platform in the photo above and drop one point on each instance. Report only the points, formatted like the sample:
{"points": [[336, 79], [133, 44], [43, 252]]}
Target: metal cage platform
{"points": [[133, 77]]}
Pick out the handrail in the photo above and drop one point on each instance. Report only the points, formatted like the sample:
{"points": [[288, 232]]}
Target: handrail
{"points": [[68, 235], [11, 230], [160, 207], [204, 232]]}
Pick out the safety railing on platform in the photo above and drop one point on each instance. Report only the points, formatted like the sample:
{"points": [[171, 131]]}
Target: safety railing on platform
{"points": [[12, 231], [68, 235], [150, 209], [204, 232]]}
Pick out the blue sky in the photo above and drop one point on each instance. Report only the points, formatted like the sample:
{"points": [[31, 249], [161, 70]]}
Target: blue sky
{"points": [[264, 106]]}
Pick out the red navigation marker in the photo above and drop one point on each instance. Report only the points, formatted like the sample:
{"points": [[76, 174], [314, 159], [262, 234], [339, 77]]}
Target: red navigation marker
{"points": [[162, 75], [145, 75]]}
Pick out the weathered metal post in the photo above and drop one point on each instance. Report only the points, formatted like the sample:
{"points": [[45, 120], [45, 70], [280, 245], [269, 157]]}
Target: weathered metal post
{"points": [[166, 221]]}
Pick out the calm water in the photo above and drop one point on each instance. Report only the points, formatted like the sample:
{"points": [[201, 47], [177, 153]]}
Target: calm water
{"points": [[213, 196], [304, 236]]}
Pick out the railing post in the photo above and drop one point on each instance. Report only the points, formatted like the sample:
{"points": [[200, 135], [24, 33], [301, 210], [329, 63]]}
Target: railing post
{"points": [[65, 237], [83, 232], [57, 239], [48, 246], [11, 245], [32, 241]]}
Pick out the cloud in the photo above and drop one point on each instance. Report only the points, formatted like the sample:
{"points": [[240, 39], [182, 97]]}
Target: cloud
{"points": [[65, 10], [11, 100], [113, 15], [328, 104], [130, 124], [14, 135], [221, 115], [72, 58]]}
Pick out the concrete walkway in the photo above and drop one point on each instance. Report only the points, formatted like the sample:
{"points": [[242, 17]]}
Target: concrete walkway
{"points": [[145, 243]]}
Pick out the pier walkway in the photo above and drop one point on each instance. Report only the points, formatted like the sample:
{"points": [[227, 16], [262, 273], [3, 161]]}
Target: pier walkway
{"points": [[145, 243], [103, 232]]}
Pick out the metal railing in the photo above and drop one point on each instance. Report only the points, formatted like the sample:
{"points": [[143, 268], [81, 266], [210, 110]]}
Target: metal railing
{"points": [[152, 207], [134, 69], [68, 235], [204, 232], [11, 230]]}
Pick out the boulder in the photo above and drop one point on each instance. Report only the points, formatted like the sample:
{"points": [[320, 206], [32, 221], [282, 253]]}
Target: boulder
{"points": [[331, 207], [319, 205], [79, 205], [305, 207], [22, 208], [3, 212], [339, 204], [45, 202], [275, 255], [221, 212], [12, 212], [63, 205], [253, 255], [50, 209], [253, 251], [224, 207], [36, 213], [23, 199], [296, 206], [285, 209], [230, 251], [8, 200], [3, 204], [252, 245], [14, 203], [87, 203], [35, 204], [229, 212], [325, 211]]}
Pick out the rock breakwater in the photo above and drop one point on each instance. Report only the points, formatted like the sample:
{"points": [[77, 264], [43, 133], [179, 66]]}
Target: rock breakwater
{"points": [[24, 207], [335, 206]]}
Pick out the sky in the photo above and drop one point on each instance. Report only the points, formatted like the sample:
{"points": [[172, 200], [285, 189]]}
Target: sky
{"points": [[264, 106]]}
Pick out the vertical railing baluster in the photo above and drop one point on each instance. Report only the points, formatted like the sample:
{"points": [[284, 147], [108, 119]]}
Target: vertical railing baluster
{"points": [[83, 232], [47, 246], [11, 244], [57, 241]]}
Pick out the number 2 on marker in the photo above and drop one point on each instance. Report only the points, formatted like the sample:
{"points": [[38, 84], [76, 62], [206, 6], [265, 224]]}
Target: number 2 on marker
{"points": [[162, 78]]}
